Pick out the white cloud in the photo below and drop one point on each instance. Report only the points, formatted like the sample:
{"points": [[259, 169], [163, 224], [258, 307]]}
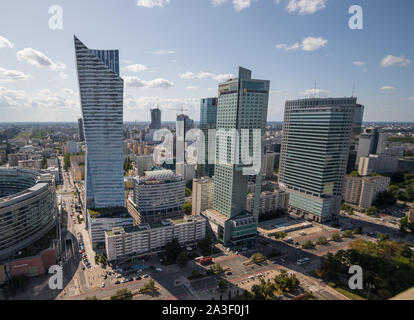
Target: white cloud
{"points": [[4, 43], [285, 47], [43, 100], [358, 63], [206, 75], [241, 4], [12, 75], [136, 68], [63, 75], [390, 61], [162, 52], [191, 88], [308, 44], [411, 98], [237, 4], [156, 83], [38, 59], [387, 88], [312, 44], [152, 3], [304, 6], [312, 92]]}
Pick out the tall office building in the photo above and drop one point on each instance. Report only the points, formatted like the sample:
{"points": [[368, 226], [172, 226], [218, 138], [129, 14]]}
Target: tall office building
{"points": [[155, 119], [101, 95], [242, 104], [314, 155], [208, 119], [80, 128], [184, 124], [355, 136]]}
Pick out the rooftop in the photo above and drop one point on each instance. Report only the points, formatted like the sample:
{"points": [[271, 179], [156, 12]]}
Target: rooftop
{"points": [[115, 212]]}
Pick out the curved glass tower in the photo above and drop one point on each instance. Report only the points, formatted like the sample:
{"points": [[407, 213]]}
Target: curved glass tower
{"points": [[101, 94]]}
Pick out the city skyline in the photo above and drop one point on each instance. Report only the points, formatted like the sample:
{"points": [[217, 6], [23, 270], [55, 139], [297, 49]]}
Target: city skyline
{"points": [[38, 80]]}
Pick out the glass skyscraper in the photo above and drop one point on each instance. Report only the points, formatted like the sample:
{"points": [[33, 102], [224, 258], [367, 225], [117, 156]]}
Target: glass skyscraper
{"points": [[314, 154], [155, 119], [242, 104], [101, 95], [208, 120]]}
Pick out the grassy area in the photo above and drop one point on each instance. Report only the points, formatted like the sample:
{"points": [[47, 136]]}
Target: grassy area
{"points": [[116, 212]]}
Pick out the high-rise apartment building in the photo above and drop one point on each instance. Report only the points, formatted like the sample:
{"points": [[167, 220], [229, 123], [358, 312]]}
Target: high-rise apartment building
{"points": [[202, 196], [155, 119], [101, 95], [242, 104], [314, 154]]}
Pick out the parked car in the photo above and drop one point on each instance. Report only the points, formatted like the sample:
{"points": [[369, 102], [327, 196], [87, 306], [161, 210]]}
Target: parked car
{"points": [[138, 278], [158, 269], [103, 285], [117, 282], [145, 276]]}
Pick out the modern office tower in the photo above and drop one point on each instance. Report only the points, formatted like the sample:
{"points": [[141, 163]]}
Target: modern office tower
{"points": [[155, 119], [356, 132], [242, 104], [101, 94], [314, 155], [143, 163], [186, 170], [80, 128], [159, 195], [208, 119], [362, 191], [203, 194]]}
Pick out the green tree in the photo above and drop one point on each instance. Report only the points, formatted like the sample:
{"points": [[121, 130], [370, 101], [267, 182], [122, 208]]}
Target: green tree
{"points": [[358, 230], [188, 192], [347, 234], [371, 211], [66, 161], [44, 163], [280, 235], [188, 207], [182, 259], [322, 240], [336, 236], [285, 282], [222, 285], [172, 250], [205, 245], [257, 257], [308, 245], [122, 294]]}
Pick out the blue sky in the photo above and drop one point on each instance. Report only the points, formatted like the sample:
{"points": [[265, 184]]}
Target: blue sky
{"points": [[174, 52]]}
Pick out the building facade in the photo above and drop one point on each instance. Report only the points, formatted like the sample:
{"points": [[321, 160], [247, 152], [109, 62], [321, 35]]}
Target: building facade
{"points": [[155, 119], [202, 196], [270, 201], [314, 155], [101, 95], [146, 238]]}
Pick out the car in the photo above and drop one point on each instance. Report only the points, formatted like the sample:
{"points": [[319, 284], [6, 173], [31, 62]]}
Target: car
{"points": [[117, 282], [105, 277], [83, 267], [229, 273], [302, 233], [138, 278], [236, 252], [145, 276], [228, 249], [103, 285], [302, 261], [124, 281], [158, 269], [130, 279], [118, 276], [251, 277]]}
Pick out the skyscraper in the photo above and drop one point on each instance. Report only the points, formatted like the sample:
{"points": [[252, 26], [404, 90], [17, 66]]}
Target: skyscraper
{"points": [[208, 119], [101, 95], [314, 154], [242, 104], [155, 119], [80, 128]]}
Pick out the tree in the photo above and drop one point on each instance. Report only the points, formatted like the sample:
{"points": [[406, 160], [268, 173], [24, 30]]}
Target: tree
{"points": [[308, 245], [66, 161], [322, 240], [205, 245], [280, 235], [358, 230], [195, 274], [188, 192], [336, 236], [44, 163], [385, 199], [172, 250], [383, 237], [182, 259], [188, 207], [371, 211], [122, 294], [354, 174], [347, 234], [149, 286], [257, 257], [285, 282], [222, 285]]}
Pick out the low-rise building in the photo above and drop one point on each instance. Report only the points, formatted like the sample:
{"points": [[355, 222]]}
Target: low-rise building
{"points": [[143, 163], [270, 201], [362, 191], [145, 238], [378, 163]]}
